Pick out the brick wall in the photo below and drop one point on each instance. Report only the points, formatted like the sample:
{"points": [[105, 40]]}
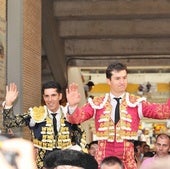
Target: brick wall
{"points": [[31, 56]]}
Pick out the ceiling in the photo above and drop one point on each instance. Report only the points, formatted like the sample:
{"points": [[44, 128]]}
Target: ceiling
{"points": [[91, 34]]}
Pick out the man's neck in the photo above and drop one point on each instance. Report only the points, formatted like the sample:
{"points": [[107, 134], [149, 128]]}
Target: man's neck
{"points": [[54, 111], [117, 95]]}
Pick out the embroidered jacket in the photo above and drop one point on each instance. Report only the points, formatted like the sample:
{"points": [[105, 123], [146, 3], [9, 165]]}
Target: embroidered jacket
{"points": [[132, 109], [40, 123]]}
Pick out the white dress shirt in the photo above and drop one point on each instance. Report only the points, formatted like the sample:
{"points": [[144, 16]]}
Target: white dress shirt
{"points": [[113, 102]]}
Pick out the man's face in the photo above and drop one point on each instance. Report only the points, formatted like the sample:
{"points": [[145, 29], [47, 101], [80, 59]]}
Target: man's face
{"points": [[146, 148], [118, 82], [52, 98], [107, 166], [162, 147], [93, 149], [67, 167]]}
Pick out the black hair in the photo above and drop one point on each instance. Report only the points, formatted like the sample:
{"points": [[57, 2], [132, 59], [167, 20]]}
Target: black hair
{"points": [[90, 83], [89, 162], [117, 66], [139, 143], [52, 84], [69, 157], [88, 146]]}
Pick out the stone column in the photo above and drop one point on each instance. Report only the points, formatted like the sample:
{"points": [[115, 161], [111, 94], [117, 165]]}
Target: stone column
{"points": [[24, 53]]}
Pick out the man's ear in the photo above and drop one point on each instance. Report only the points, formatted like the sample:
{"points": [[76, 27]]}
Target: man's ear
{"points": [[60, 96]]}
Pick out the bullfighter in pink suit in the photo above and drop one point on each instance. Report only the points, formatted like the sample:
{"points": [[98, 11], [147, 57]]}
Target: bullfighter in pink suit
{"points": [[114, 137]]}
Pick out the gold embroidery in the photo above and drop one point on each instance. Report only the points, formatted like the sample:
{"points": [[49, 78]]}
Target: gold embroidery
{"points": [[38, 114], [123, 128]]}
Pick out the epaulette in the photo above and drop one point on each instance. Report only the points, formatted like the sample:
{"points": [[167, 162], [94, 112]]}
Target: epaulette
{"points": [[38, 114], [98, 102], [133, 100]]}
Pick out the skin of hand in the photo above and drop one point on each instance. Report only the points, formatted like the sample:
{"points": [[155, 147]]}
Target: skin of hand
{"points": [[25, 153], [11, 94], [73, 95]]}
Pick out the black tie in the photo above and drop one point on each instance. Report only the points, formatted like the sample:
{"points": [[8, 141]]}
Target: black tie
{"points": [[117, 111], [54, 123]]}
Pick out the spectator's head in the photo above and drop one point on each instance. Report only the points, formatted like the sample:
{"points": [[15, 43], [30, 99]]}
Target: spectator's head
{"points": [[13, 155], [111, 162], [90, 84], [162, 145], [138, 146], [89, 162], [146, 148], [69, 159], [92, 148]]}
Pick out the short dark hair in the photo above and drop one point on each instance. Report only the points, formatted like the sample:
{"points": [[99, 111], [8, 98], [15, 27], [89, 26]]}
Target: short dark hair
{"points": [[69, 157], [115, 66], [112, 160], [52, 84], [90, 83], [89, 162], [91, 143]]}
